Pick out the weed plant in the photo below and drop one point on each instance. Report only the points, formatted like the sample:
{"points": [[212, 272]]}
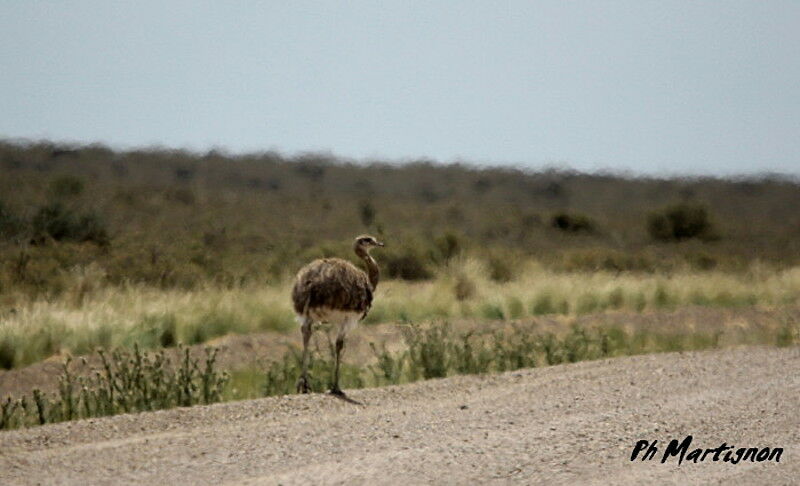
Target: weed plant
{"points": [[126, 382], [138, 381]]}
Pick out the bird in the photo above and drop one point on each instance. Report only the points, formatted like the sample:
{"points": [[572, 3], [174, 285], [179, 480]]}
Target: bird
{"points": [[334, 291]]}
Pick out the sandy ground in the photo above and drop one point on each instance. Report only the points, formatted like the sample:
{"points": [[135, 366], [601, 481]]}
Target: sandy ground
{"points": [[563, 424]]}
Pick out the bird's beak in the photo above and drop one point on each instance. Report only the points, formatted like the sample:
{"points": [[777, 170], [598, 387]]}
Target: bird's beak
{"points": [[380, 243]]}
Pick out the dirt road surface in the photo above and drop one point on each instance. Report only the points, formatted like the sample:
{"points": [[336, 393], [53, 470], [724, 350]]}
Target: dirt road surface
{"points": [[574, 423]]}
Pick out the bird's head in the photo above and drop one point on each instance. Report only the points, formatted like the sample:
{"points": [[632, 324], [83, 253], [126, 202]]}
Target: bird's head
{"points": [[366, 243]]}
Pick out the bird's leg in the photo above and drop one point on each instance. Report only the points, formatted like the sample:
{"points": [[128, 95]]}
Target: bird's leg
{"points": [[303, 385], [335, 390]]}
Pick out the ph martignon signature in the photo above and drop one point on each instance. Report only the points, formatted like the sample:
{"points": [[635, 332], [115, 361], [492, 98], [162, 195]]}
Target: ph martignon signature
{"points": [[683, 451]]}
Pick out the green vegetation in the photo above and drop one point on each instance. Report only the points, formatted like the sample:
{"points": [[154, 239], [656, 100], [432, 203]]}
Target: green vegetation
{"points": [[680, 222], [91, 315], [175, 219], [138, 381], [126, 382], [152, 249], [571, 222], [56, 222]]}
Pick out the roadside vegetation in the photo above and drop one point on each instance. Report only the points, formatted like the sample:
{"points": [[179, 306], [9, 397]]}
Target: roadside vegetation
{"points": [[135, 381], [151, 318], [127, 382]]}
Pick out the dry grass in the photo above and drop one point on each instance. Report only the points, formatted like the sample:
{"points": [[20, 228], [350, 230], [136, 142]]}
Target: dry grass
{"points": [[122, 316]]}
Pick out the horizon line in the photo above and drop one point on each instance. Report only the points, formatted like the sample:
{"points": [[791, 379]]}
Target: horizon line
{"points": [[559, 167]]}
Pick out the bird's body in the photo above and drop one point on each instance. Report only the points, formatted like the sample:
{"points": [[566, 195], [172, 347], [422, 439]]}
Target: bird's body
{"points": [[337, 292], [331, 283]]}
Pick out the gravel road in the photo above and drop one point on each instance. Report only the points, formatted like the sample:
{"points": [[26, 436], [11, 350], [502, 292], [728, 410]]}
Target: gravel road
{"points": [[563, 424]]}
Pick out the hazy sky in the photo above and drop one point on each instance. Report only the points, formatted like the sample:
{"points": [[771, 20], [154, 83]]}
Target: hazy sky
{"points": [[660, 87]]}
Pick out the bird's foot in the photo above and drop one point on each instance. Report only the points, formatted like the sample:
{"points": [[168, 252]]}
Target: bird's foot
{"points": [[338, 393], [303, 386]]}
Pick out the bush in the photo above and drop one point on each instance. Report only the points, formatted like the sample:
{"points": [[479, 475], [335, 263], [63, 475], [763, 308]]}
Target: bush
{"points": [[464, 288], [427, 351], [447, 246], [389, 367], [10, 224], [572, 222], [680, 222], [127, 381], [492, 311], [543, 304], [501, 269], [702, 261], [156, 330], [7, 353], [66, 186], [367, 213], [546, 303], [407, 265], [55, 221]]}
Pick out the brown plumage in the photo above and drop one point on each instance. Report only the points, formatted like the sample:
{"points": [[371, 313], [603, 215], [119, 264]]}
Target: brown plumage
{"points": [[335, 291], [331, 283]]}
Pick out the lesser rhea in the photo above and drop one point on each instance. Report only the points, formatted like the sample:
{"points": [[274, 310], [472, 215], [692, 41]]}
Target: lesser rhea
{"points": [[334, 291]]}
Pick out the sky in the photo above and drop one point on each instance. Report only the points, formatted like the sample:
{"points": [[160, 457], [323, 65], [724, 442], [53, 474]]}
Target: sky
{"points": [[649, 87]]}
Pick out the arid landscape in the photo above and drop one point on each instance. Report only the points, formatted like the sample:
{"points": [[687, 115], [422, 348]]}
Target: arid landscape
{"points": [[557, 425], [247, 243], [147, 333]]}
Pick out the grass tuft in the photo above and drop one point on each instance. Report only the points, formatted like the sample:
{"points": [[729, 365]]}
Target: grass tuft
{"points": [[126, 381]]}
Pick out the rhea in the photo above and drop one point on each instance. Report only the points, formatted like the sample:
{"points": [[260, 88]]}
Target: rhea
{"points": [[334, 291]]}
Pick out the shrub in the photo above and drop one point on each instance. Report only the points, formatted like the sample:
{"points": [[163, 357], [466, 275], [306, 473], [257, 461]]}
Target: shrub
{"points": [[663, 298], [406, 265], [126, 382], [55, 221], [572, 222], [10, 224], [367, 213], [66, 186], [389, 367], [514, 350], [516, 309], [546, 303], [7, 353], [156, 330], [543, 304], [500, 269], [181, 195], [427, 351], [702, 261], [447, 246], [91, 228], [464, 288], [492, 311], [787, 335], [470, 356], [680, 222], [587, 303], [616, 298]]}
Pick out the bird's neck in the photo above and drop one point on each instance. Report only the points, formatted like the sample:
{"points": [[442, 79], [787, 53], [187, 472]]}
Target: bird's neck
{"points": [[373, 272]]}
